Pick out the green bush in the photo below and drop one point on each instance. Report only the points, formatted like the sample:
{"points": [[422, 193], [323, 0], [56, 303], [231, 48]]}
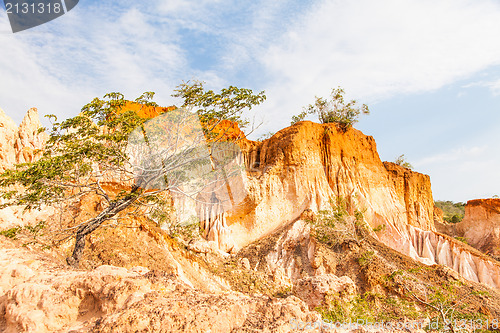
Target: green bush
{"points": [[335, 110], [11, 233], [453, 212], [401, 161]]}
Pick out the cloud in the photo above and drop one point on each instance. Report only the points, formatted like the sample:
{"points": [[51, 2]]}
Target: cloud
{"points": [[379, 49], [455, 155], [492, 85], [464, 172], [293, 49], [101, 47]]}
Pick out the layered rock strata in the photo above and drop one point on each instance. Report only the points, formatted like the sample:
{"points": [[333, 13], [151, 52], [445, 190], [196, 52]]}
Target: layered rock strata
{"points": [[20, 145], [310, 166], [481, 225]]}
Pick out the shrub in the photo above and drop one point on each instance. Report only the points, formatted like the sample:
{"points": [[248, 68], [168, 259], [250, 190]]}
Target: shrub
{"points": [[335, 110], [401, 161]]}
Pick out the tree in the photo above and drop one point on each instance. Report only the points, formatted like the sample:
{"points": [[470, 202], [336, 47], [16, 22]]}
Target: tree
{"points": [[401, 161], [228, 104], [336, 110], [452, 312], [108, 142]]}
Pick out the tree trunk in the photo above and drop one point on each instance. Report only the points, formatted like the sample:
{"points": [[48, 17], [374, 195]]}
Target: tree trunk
{"points": [[74, 260], [91, 225]]}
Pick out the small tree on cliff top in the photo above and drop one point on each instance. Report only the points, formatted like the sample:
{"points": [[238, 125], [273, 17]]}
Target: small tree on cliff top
{"points": [[336, 110], [401, 161], [106, 142]]}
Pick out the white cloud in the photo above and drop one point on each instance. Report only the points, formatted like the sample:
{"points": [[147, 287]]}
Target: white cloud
{"points": [[374, 49], [492, 85], [62, 65], [495, 87], [377, 49], [464, 174], [453, 156]]}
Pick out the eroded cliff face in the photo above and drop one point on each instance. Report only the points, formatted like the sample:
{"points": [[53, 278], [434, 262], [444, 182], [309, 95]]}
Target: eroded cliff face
{"points": [[20, 145], [8, 131], [415, 189], [310, 165], [481, 225], [433, 248], [307, 167]]}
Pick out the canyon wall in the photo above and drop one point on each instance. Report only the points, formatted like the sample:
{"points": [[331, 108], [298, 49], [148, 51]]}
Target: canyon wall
{"points": [[308, 166], [20, 145], [481, 225]]}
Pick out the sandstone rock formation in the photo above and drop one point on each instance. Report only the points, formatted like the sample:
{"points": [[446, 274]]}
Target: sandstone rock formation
{"points": [[414, 188], [8, 136], [29, 140], [481, 225], [434, 248], [309, 165], [19, 144], [167, 287], [39, 295]]}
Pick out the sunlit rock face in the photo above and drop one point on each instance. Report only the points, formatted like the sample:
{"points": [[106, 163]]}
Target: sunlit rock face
{"points": [[29, 140], [431, 248], [20, 144], [415, 189], [8, 132], [308, 165], [481, 225]]}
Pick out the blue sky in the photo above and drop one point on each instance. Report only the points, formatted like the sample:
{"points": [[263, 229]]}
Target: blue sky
{"points": [[429, 70]]}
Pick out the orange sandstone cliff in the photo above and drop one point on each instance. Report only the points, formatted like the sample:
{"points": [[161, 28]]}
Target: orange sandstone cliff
{"points": [[481, 225], [281, 274], [304, 167], [308, 165]]}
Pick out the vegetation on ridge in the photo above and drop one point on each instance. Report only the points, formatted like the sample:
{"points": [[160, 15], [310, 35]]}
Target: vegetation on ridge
{"points": [[453, 212], [335, 110], [401, 161]]}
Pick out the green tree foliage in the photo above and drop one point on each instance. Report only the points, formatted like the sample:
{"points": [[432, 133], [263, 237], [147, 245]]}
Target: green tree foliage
{"points": [[210, 106], [335, 110], [401, 161], [453, 212], [340, 223], [450, 313], [85, 151]]}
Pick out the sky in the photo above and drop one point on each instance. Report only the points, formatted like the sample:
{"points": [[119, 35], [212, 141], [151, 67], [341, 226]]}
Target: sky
{"points": [[428, 70]]}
